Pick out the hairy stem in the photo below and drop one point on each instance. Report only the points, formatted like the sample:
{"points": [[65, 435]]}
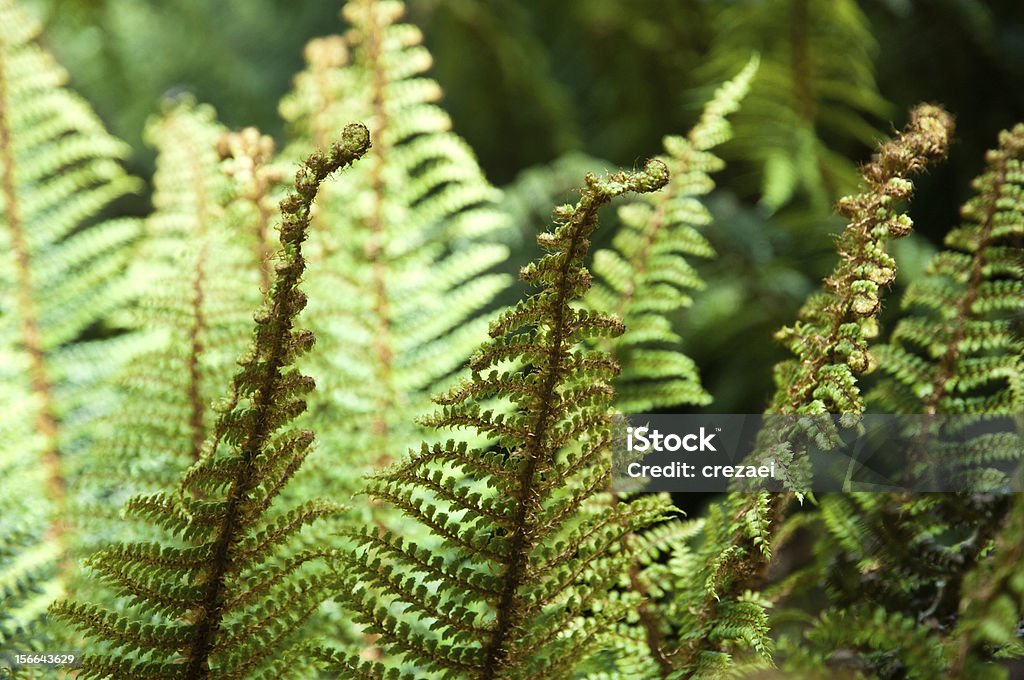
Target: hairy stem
{"points": [[271, 350]]}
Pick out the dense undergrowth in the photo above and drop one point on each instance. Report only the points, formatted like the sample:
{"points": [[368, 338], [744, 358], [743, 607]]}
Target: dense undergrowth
{"points": [[292, 425]]}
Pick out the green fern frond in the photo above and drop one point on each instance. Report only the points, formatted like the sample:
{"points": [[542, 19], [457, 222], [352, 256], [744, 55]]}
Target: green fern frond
{"points": [[959, 352], [518, 547], [197, 276], [953, 354], [225, 593], [863, 640], [644, 278], [407, 264], [991, 607], [61, 273], [830, 344], [830, 340], [816, 82]]}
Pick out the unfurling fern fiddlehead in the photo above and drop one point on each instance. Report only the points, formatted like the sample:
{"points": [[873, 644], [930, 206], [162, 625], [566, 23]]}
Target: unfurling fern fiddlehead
{"points": [[224, 597], [829, 342], [957, 354], [517, 552], [196, 277]]}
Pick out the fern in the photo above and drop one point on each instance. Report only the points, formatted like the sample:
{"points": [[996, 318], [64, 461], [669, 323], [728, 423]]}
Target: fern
{"points": [[644, 277], [62, 272], [518, 552], [829, 342], [957, 353], [643, 280], [992, 606], [816, 82], [196, 276], [403, 276], [865, 640], [224, 595]]}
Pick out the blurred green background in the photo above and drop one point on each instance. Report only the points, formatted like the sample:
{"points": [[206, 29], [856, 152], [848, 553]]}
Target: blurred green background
{"points": [[546, 90]]}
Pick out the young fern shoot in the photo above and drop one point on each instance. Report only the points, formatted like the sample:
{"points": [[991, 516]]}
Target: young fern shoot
{"points": [[196, 277], [516, 553], [224, 595], [830, 344], [957, 353]]}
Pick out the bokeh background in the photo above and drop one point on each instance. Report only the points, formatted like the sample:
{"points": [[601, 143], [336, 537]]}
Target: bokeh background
{"points": [[544, 91]]}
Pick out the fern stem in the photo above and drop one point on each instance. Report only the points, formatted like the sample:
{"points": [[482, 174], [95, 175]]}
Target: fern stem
{"points": [[42, 389], [270, 356], [507, 615], [648, 616], [801, 61], [195, 387], [378, 237], [195, 350]]}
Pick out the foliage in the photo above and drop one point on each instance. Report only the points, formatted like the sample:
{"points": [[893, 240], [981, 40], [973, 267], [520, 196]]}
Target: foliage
{"points": [[644, 276], [816, 82], [956, 353], [62, 273], [499, 550], [830, 347], [519, 551], [227, 593], [405, 247]]}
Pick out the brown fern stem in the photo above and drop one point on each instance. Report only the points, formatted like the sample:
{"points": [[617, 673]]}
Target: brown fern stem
{"points": [[195, 393], [270, 352], [42, 389], [194, 390], [377, 244], [799, 26], [509, 615]]}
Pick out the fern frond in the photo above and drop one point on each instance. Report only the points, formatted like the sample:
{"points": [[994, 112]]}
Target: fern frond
{"points": [[816, 82], [406, 244], [863, 639], [991, 607], [959, 348], [519, 521], [224, 595], [950, 355], [830, 344], [830, 340], [197, 277], [644, 278], [61, 273]]}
